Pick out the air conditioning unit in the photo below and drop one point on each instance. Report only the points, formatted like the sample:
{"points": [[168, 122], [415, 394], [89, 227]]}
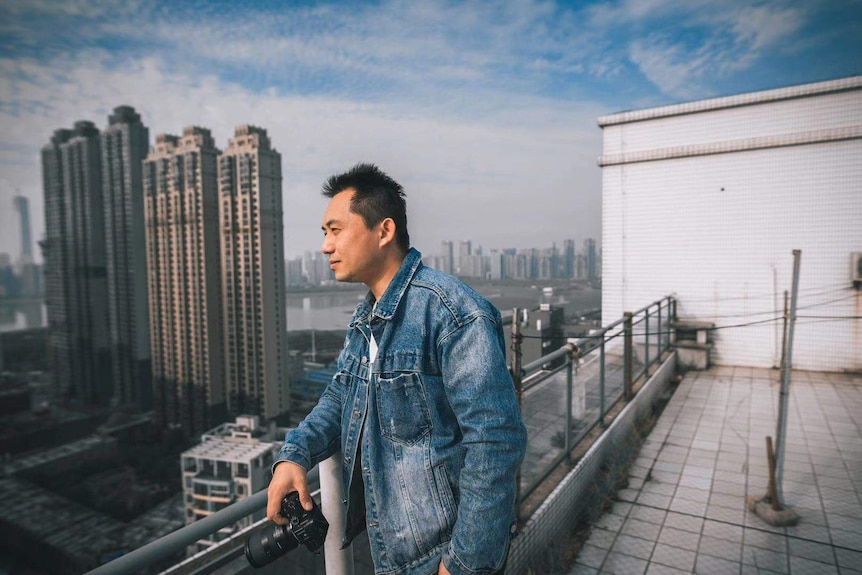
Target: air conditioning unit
{"points": [[856, 268]]}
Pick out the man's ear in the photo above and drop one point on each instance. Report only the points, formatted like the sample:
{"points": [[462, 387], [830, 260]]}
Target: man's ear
{"points": [[386, 232]]}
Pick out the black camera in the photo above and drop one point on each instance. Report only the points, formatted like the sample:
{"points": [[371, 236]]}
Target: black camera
{"points": [[271, 541]]}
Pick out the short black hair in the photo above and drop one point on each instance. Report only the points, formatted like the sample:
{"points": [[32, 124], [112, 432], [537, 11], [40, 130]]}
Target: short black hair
{"points": [[377, 197]]}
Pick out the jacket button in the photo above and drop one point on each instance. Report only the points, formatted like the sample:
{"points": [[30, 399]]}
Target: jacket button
{"points": [[346, 460], [356, 413], [364, 360]]}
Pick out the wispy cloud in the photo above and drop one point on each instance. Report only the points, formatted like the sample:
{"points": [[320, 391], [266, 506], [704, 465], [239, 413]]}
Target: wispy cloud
{"points": [[687, 49]]}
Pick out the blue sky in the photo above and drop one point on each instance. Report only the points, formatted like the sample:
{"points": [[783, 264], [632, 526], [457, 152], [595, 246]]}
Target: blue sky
{"points": [[485, 111]]}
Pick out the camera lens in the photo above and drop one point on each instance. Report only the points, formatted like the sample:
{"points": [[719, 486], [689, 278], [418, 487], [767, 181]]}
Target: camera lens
{"points": [[268, 544]]}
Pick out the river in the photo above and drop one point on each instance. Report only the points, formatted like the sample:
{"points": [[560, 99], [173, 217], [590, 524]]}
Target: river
{"points": [[331, 308]]}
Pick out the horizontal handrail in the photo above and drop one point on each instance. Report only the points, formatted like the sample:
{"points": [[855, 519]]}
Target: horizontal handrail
{"points": [[564, 351], [179, 539], [184, 536], [606, 328]]}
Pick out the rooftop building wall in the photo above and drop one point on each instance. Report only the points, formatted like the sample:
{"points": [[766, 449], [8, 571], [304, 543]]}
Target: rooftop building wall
{"points": [[708, 200]]}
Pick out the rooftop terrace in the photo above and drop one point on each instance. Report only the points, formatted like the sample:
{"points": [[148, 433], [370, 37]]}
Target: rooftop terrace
{"points": [[684, 508]]}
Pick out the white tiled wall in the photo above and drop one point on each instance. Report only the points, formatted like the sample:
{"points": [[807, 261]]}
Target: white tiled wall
{"points": [[719, 230]]}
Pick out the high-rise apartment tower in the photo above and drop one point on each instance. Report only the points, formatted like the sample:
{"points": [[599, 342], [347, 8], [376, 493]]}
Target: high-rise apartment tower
{"points": [[76, 284], [124, 146], [184, 274], [252, 236]]}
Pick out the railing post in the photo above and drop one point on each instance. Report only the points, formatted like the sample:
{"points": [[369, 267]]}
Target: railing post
{"points": [[646, 343], [515, 367], [658, 315], [671, 303], [515, 370], [602, 381], [627, 355], [569, 385], [338, 561]]}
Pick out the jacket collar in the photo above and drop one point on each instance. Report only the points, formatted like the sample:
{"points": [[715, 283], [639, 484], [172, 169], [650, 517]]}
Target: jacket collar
{"points": [[388, 303]]}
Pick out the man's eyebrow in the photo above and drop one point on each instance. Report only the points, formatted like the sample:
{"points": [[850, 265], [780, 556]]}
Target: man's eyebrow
{"points": [[329, 223]]}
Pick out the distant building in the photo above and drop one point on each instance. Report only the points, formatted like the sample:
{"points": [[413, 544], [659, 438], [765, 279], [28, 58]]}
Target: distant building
{"points": [[590, 258], [495, 265], [707, 200], [29, 274], [184, 271], [568, 264], [472, 266], [231, 462], [10, 284], [543, 331], [124, 146], [465, 250], [448, 255], [75, 272], [293, 272], [543, 334], [252, 240], [316, 268], [23, 208]]}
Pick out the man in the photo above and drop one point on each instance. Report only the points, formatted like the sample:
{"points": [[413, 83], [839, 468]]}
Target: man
{"points": [[422, 405]]}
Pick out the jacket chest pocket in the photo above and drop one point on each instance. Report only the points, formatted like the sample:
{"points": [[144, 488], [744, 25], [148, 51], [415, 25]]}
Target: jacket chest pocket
{"points": [[403, 408]]}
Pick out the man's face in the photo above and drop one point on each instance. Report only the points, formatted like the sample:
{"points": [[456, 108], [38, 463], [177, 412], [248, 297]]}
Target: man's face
{"points": [[353, 249]]}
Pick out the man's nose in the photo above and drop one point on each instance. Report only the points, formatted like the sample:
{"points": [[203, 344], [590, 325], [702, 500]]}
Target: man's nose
{"points": [[327, 246]]}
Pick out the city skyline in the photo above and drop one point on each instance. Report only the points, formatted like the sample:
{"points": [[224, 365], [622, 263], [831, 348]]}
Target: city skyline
{"points": [[493, 139]]}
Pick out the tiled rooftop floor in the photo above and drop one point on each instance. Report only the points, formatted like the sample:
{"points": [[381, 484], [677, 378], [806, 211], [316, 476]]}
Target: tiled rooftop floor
{"points": [[684, 508]]}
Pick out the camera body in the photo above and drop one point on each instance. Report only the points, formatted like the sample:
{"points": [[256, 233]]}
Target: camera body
{"points": [[271, 541]]}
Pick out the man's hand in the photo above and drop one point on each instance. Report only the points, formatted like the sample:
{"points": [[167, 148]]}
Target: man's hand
{"points": [[442, 570], [287, 477]]}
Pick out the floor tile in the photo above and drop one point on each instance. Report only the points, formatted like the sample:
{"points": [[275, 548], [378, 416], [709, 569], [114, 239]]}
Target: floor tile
{"points": [[683, 522], [610, 521], [765, 559], [679, 538], [602, 538], [722, 530], [634, 546], [811, 550], [847, 539], [800, 566], [848, 559], [642, 529], [581, 569], [659, 569], [708, 565], [674, 557], [648, 514], [591, 556], [620, 564], [722, 548]]}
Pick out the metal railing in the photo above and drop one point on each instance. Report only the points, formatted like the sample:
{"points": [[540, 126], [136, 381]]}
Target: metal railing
{"points": [[600, 370], [561, 404]]}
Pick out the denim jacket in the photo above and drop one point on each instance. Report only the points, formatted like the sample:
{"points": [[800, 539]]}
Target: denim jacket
{"points": [[438, 421]]}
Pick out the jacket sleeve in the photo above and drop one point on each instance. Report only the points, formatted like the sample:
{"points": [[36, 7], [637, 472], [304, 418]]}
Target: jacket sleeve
{"points": [[480, 391], [319, 434]]}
